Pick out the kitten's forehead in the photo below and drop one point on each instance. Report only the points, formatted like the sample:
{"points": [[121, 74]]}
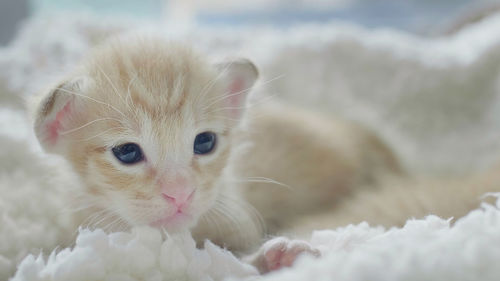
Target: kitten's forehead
{"points": [[159, 91], [151, 75]]}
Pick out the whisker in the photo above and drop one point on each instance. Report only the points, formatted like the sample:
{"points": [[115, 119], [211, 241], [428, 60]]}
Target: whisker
{"points": [[247, 106], [271, 80], [88, 124], [219, 117], [90, 219], [229, 211], [102, 133], [265, 180], [110, 82], [210, 84], [223, 97], [226, 95], [214, 218], [110, 226], [110, 214], [129, 94], [98, 216], [224, 200], [92, 99], [121, 226], [252, 116], [77, 209]]}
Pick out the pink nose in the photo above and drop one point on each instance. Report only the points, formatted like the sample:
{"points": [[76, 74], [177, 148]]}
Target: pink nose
{"points": [[177, 191], [180, 199]]}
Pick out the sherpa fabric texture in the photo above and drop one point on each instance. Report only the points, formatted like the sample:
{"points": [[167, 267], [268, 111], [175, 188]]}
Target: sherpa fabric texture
{"points": [[428, 249], [434, 100], [139, 255]]}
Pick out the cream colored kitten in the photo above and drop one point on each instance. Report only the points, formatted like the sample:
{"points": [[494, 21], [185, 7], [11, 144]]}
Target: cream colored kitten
{"points": [[398, 199], [160, 137]]}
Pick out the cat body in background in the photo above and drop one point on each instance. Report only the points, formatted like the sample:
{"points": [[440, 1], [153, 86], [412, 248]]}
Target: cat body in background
{"points": [[159, 136]]}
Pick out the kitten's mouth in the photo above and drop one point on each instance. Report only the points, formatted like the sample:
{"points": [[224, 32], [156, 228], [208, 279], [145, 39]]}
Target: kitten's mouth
{"points": [[177, 220]]}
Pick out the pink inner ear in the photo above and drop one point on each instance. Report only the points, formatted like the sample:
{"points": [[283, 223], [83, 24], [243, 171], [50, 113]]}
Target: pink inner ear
{"points": [[238, 95], [55, 126]]}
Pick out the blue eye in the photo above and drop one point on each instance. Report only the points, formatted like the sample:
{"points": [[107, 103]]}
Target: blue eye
{"points": [[204, 143], [128, 153]]}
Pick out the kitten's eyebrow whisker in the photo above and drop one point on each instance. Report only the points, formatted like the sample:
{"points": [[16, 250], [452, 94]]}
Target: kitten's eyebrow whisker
{"points": [[229, 108], [111, 83], [128, 98], [210, 84], [102, 133], [250, 88], [222, 97], [251, 116], [261, 101], [129, 94], [225, 96], [220, 117], [270, 80], [92, 99], [88, 124]]}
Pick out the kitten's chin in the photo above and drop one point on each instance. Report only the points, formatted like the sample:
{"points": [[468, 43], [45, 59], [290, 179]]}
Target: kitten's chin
{"points": [[174, 223]]}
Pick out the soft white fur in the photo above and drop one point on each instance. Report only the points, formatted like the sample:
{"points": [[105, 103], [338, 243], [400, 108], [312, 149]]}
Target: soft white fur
{"points": [[427, 249], [436, 101], [140, 255]]}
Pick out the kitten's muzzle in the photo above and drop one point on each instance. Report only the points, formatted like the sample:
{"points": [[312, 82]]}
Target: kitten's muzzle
{"points": [[181, 201]]}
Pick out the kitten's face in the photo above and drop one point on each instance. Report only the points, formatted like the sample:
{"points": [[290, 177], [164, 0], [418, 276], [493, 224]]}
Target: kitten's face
{"points": [[147, 125]]}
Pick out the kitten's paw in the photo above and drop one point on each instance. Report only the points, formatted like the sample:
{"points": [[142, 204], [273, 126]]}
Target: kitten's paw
{"points": [[281, 252]]}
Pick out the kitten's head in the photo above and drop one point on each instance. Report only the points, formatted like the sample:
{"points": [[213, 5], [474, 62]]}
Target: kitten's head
{"points": [[147, 125]]}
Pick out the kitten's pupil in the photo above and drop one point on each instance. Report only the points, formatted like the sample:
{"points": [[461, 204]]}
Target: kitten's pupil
{"points": [[204, 143], [128, 153]]}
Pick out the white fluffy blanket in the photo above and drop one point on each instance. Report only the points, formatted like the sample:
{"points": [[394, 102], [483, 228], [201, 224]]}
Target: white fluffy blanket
{"points": [[427, 249], [435, 100]]}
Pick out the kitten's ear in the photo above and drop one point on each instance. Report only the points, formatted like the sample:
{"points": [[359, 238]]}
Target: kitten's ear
{"points": [[57, 111], [239, 75]]}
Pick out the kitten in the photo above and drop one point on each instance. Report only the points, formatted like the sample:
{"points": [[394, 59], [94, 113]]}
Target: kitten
{"points": [[161, 137]]}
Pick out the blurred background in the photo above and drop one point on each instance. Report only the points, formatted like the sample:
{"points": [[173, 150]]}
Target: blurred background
{"points": [[423, 74], [428, 17]]}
